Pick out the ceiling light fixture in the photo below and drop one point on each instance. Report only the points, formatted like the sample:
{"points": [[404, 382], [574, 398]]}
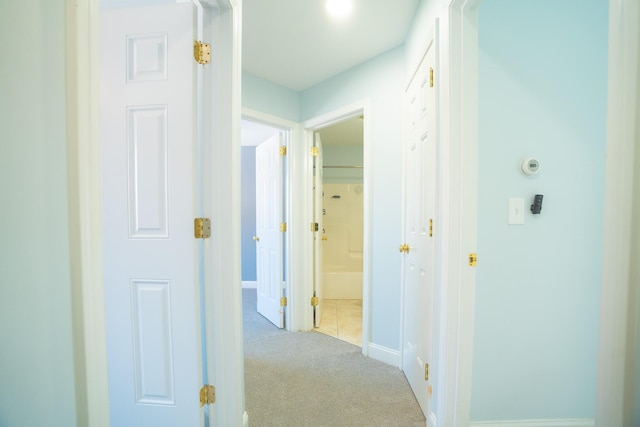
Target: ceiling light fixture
{"points": [[339, 8]]}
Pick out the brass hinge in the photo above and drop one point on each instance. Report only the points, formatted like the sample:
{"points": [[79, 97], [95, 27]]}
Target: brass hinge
{"points": [[430, 77], [315, 151], [201, 52], [314, 301], [283, 301], [473, 260], [426, 372], [430, 228], [283, 226], [404, 248], [207, 395], [283, 150], [314, 226], [202, 228]]}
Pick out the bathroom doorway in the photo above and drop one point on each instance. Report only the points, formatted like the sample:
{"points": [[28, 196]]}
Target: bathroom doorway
{"points": [[340, 199]]}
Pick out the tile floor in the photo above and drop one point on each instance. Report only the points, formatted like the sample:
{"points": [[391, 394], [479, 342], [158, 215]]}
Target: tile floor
{"points": [[342, 318]]}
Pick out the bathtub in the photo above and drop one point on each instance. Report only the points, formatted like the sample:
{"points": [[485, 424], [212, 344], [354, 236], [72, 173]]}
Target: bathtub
{"points": [[341, 284]]}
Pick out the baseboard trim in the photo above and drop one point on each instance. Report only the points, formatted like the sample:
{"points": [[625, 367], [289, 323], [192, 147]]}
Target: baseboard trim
{"points": [[249, 284], [245, 419], [384, 354], [431, 420], [563, 422]]}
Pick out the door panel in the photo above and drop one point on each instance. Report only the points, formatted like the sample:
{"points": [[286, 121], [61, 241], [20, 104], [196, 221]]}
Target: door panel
{"points": [[268, 219], [147, 144], [419, 209]]}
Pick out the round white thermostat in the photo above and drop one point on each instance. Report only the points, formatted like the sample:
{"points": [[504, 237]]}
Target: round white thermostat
{"points": [[530, 166]]}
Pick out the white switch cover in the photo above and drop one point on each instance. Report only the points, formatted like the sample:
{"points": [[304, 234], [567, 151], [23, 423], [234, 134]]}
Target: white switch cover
{"points": [[516, 211]]}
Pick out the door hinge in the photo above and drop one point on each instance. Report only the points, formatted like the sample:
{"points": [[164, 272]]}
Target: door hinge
{"points": [[426, 372], [315, 301], [201, 52], [202, 228], [404, 248], [314, 226], [430, 77], [283, 150], [207, 395], [283, 301], [430, 228], [315, 151], [283, 226], [473, 260]]}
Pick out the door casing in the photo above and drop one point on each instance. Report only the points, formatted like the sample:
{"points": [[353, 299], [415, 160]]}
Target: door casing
{"points": [[363, 108], [291, 268]]}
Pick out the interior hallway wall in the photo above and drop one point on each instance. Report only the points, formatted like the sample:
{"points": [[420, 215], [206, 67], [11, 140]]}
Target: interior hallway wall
{"points": [[36, 359], [542, 93], [262, 95], [381, 81]]}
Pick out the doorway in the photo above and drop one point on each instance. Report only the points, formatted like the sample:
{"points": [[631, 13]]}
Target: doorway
{"points": [[340, 170], [263, 189], [341, 194]]}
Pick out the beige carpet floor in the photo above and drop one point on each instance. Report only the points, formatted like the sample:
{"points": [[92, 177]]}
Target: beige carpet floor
{"points": [[308, 379]]}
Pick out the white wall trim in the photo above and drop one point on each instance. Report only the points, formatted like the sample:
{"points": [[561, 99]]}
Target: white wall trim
{"points": [[432, 421], [360, 107], [573, 422], [249, 284], [89, 331], [245, 420], [459, 129], [612, 406], [384, 354]]}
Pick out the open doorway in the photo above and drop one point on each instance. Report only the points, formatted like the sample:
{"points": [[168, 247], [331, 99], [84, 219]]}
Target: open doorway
{"points": [[263, 217], [339, 243]]}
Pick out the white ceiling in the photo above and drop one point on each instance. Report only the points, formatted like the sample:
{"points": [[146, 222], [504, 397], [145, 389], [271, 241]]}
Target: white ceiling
{"points": [[296, 44]]}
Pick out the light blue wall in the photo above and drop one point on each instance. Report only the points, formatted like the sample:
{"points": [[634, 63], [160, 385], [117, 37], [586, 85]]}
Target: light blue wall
{"points": [[248, 200], [379, 80], [542, 93], [267, 97], [36, 355]]}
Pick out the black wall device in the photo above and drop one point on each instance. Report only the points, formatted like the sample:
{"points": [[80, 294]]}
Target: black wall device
{"points": [[536, 207]]}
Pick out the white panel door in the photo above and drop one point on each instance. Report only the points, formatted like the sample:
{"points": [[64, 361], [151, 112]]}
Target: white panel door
{"points": [[419, 211], [147, 144], [318, 192], [268, 235]]}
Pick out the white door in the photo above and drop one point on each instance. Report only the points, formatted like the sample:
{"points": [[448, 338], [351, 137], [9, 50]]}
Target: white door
{"points": [[419, 211], [268, 235], [148, 201], [318, 192]]}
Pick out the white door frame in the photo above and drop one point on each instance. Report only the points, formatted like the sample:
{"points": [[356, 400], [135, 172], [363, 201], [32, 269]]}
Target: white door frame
{"points": [[222, 252], [619, 270], [362, 107], [460, 128], [292, 272]]}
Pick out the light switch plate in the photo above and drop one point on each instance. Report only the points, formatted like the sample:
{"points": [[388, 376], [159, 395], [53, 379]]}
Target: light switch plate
{"points": [[516, 211]]}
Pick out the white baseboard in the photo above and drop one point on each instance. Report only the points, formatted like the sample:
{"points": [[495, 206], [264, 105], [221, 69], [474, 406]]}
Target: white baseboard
{"points": [[384, 354], [431, 420], [249, 284], [563, 422], [245, 420]]}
